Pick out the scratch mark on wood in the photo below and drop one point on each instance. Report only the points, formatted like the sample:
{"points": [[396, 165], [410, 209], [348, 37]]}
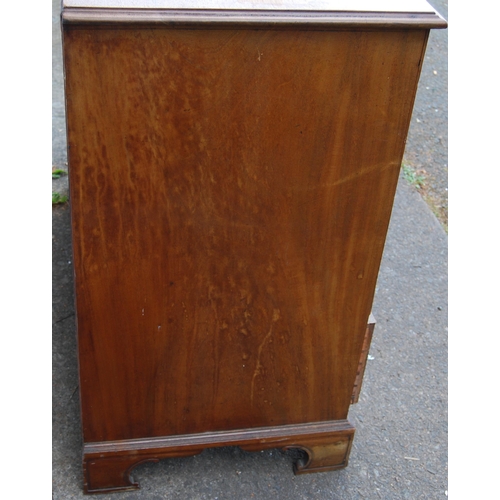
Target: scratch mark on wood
{"points": [[258, 365]]}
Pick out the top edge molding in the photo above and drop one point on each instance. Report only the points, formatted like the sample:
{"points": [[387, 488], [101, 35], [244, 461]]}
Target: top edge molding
{"points": [[366, 13], [272, 5]]}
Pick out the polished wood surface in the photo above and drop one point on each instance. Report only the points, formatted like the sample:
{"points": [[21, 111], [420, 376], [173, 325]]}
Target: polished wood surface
{"points": [[410, 6], [108, 466], [230, 14], [229, 220], [231, 192], [341, 14]]}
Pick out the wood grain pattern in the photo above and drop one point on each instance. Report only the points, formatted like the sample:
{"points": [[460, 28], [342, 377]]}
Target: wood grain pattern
{"points": [[223, 19], [357, 14], [108, 466], [230, 192], [230, 197]]}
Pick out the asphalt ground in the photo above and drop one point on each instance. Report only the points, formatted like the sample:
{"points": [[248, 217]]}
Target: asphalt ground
{"points": [[426, 154], [400, 449]]}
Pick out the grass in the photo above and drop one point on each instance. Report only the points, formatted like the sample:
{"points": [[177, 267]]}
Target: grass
{"points": [[57, 173], [418, 179], [58, 199], [414, 177]]}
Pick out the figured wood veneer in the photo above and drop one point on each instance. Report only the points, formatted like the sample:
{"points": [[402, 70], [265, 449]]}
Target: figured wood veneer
{"points": [[231, 191]]}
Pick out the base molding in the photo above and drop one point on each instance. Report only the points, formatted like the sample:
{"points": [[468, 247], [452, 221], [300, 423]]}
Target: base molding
{"points": [[108, 465]]}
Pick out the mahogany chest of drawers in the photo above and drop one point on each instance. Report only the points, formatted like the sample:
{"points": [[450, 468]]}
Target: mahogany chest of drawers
{"points": [[232, 172]]}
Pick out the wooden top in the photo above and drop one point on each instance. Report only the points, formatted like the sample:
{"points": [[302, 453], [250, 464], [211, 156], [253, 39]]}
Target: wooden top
{"points": [[311, 5], [400, 13]]}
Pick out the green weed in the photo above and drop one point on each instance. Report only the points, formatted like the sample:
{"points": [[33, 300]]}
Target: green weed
{"points": [[413, 177], [58, 198], [57, 173]]}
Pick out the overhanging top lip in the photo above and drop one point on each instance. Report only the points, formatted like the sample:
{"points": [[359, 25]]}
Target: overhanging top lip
{"points": [[372, 6], [309, 14]]}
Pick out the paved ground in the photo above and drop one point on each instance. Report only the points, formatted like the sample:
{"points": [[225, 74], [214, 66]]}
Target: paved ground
{"points": [[427, 144], [400, 448]]}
